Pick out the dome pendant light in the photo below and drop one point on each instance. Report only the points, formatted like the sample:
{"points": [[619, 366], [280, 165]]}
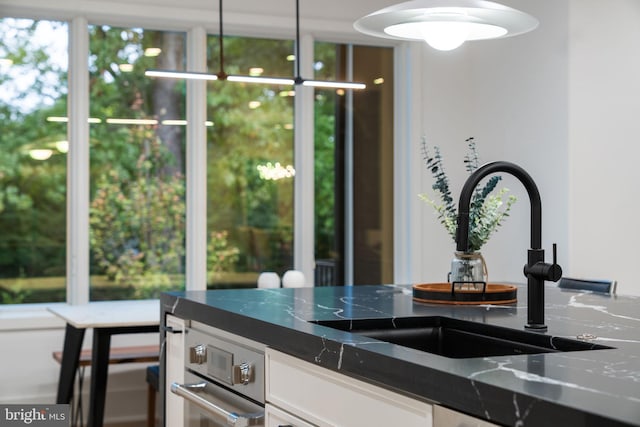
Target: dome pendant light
{"points": [[446, 24], [317, 83]]}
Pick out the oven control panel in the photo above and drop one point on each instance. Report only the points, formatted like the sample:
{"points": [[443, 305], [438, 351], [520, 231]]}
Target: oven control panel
{"points": [[226, 362]]}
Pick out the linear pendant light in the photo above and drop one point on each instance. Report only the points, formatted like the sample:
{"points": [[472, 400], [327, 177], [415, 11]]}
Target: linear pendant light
{"points": [[221, 75], [446, 24], [317, 83]]}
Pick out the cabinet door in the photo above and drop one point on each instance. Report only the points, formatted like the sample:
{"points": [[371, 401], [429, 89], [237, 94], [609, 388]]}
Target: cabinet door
{"points": [[174, 371], [326, 398], [274, 417], [444, 417]]}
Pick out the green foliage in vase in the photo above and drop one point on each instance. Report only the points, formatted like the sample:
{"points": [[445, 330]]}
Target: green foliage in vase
{"points": [[487, 211]]}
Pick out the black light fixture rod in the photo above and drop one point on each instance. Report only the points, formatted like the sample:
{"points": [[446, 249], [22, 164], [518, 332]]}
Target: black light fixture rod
{"points": [[298, 80], [221, 75], [298, 38]]}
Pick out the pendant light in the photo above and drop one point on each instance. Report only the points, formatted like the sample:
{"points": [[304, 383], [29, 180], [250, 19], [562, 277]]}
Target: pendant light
{"points": [[221, 75], [446, 24], [317, 83]]}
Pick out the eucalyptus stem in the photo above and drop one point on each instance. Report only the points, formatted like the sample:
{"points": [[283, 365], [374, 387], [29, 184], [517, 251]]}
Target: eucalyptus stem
{"points": [[487, 211]]}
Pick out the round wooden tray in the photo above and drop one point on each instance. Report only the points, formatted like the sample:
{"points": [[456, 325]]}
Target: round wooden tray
{"points": [[440, 293]]}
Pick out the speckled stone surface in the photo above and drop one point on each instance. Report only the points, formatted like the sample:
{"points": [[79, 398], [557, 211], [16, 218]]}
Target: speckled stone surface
{"points": [[583, 388]]}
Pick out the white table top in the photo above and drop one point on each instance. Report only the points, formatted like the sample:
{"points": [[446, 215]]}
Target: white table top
{"points": [[103, 314]]}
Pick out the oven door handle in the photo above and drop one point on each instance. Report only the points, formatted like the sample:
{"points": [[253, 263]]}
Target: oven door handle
{"points": [[189, 392]]}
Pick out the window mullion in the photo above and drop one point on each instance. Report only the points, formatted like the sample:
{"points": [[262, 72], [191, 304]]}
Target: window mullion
{"points": [[78, 164], [304, 196], [196, 163]]}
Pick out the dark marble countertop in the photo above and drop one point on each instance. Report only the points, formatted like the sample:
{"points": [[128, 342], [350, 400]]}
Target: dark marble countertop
{"points": [[581, 388]]}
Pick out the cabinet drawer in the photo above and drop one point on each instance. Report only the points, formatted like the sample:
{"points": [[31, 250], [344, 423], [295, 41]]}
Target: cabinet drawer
{"points": [[444, 417], [275, 417], [326, 398]]}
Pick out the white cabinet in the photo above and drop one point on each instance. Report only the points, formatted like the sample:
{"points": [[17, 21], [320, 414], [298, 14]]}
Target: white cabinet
{"points": [[275, 417], [174, 370], [444, 417], [321, 397]]}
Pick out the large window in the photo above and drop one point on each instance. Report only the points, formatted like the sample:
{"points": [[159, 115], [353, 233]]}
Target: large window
{"points": [[250, 169], [354, 166], [136, 136], [137, 139], [33, 146]]}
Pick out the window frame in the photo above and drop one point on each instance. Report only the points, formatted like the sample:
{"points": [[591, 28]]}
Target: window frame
{"points": [[196, 154], [164, 19]]}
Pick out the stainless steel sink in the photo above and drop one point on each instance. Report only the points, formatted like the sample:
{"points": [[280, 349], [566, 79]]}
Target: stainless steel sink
{"points": [[458, 339]]}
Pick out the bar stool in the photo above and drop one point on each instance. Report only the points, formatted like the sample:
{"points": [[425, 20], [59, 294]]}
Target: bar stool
{"points": [[153, 379]]}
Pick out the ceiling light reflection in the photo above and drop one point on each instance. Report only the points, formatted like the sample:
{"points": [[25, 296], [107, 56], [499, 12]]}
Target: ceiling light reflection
{"points": [[54, 119], [274, 172], [62, 146], [40, 154], [57, 119], [174, 122], [152, 51], [132, 121], [166, 122]]}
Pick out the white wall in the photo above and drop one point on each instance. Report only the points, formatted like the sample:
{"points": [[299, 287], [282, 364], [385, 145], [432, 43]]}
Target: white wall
{"points": [[511, 95], [604, 95], [561, 101]]}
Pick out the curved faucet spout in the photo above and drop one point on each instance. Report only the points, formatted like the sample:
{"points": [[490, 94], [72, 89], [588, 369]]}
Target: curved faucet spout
{"points": [[536, 270], [462, 234]]}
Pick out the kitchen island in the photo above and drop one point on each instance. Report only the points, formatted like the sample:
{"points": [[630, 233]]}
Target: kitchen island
{"points": [[574, 388]]}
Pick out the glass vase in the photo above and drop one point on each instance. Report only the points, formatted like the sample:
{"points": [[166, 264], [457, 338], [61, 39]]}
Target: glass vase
{"points": [[468, 270]]}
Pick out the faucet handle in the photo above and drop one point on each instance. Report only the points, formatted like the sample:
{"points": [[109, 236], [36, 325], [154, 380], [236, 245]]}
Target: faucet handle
{"points": [[552, 272], [543, 270], [555, 271]]}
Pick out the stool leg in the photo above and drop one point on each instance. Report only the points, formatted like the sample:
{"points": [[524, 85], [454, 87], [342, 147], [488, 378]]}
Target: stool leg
{"points": [[151, 406], [70, 354], [99, 370]]}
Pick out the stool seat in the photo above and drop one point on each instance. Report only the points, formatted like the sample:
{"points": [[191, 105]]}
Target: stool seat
{"points": [[153, 376]]}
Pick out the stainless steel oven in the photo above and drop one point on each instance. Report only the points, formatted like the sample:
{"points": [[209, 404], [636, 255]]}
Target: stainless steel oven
{"points": [[224, 379]]}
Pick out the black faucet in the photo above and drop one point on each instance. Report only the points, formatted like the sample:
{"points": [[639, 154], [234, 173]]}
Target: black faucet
{"points": [[536, 270]]}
